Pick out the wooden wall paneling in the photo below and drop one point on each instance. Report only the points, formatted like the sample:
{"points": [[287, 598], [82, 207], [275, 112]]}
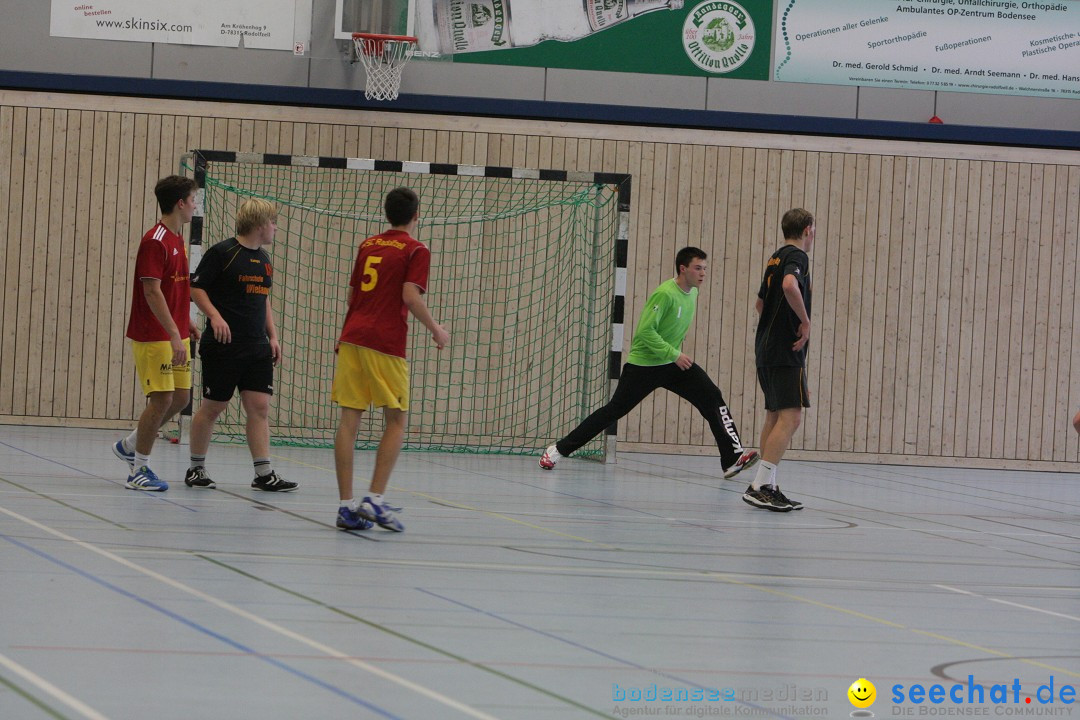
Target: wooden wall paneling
{"points": [[1072, 231], [891, 382], [246, 142], [365, 142], [815, 426], [990, 221], [717, 324], [17, 256], [1065, 439], [967, 237], [945, 317], [430, 144], [350, 141], [642, 276], [118, 267], [1053, 409], [234, 134], [83, 256], [95, 311], [306, 135], [917, 225], [62, 217], [145, 139], [1004, 351], [746, 248], [684, 421], [866, 219], [1042, 237], [1016, 233], [933, 354], [25, 140], [845, 358], [810, 185], [852, 289], [9, 254], [35, 231], [666, 405], [106, 155], [957, 307]]}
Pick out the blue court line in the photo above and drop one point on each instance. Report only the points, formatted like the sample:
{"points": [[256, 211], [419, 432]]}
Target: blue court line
{"points": [[206, 631], [153, 495], [594, 651]]}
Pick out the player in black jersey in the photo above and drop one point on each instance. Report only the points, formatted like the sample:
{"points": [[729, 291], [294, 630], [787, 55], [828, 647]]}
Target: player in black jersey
{"points": [[240, 347], [780, 346]]}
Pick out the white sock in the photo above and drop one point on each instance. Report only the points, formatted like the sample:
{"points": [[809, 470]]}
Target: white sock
{"points": [[766, 475], [351, 504], [141, 460], [377, 499], [129, 441]]}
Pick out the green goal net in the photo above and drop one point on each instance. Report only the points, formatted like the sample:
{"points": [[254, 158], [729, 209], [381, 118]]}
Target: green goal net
{"points": [[523, 276]]}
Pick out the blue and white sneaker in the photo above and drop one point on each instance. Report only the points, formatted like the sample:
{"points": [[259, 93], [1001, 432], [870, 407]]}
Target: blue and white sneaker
{"points": [[352, 520], [381, 515], [145, 479], [128, 457]]}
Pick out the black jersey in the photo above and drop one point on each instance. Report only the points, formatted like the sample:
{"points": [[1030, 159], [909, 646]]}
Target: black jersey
{"points": [[778, 326], [237, 281]]}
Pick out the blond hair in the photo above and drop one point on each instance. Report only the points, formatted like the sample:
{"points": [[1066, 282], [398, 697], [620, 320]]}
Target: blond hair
{"points": [[253, 214]]}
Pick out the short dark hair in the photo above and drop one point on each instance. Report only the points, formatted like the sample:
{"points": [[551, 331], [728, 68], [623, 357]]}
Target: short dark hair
{"points": [[171, 190], [794, 222], [687, 255], [401, 206]]}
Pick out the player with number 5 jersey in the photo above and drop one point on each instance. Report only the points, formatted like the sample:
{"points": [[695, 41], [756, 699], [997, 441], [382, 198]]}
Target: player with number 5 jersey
{"points": [[388, 282]]}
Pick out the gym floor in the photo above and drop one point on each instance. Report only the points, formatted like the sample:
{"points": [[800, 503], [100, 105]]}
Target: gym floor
{"points": [[516, 593]]}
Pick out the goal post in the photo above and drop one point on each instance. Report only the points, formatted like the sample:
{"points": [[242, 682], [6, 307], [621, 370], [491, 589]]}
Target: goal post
{"points": [[528, 274]]}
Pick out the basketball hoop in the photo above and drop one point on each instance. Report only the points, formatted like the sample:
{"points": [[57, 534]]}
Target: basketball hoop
{"points": [[383, 57]]}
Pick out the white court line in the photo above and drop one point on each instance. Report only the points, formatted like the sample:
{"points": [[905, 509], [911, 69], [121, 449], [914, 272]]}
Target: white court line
{"points": [[1012, 604], [46, 686], [239, 612]]}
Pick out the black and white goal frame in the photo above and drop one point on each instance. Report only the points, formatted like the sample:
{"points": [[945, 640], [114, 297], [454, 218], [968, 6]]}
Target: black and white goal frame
{"points": [[621, 181]]}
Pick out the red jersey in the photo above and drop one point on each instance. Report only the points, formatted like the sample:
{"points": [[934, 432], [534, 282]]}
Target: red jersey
{"points": [[162, 256], [377, 316]]}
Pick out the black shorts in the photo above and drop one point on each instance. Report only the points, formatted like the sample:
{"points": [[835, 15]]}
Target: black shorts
{"points": [[784, 387], [225, 370]]}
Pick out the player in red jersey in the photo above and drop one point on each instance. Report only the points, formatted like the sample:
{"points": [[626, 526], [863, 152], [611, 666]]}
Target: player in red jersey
{"points": [[388, 282], [159, 328]]}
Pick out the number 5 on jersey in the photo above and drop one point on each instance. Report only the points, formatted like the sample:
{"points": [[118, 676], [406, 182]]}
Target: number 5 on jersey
{"points": [[371, 275]]}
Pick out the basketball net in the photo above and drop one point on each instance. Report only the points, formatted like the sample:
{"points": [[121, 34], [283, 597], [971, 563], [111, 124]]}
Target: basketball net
{"points": [[383, 57]]}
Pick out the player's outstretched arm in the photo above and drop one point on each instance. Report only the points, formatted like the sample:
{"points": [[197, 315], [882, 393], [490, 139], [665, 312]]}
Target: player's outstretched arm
{"points": [[414, 301]]}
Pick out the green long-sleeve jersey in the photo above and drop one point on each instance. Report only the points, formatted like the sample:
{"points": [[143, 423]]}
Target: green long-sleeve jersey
{"points": [[664, 322]]}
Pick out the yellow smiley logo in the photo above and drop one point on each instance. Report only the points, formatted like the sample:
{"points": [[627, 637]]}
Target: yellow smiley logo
{"points": [[862, 693]]}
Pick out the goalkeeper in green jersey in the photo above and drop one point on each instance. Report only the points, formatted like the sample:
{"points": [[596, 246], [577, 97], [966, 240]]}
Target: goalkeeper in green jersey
{"points": [[656, 360]]}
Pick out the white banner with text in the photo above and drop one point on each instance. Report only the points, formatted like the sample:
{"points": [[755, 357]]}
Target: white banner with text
{"points": [[1010, 47], [267, 24]]}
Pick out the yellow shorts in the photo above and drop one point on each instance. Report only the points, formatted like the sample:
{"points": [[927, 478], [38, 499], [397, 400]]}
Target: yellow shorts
{"points": [[365, 378], [153, 362]]}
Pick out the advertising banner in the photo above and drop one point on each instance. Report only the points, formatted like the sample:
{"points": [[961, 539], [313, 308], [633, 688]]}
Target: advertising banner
{"points": [[716, 38], [267, 24], [1011, 47]]}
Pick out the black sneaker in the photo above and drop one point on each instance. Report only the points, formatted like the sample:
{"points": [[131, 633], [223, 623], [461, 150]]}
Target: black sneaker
{"points": [[197, 477], [767, 498], [795, 504], [273, 483]]}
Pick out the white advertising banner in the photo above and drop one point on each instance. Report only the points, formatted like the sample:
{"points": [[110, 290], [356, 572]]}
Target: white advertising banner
{"points": [[1010, 47], [266, 24]]}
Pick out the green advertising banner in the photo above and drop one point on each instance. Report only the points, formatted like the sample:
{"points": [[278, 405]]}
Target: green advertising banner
{"points": [[715, 38], [1012, 47]]}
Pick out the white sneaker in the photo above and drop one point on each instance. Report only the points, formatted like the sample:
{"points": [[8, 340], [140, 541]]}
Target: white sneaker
{"points": [[549, 458]]}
